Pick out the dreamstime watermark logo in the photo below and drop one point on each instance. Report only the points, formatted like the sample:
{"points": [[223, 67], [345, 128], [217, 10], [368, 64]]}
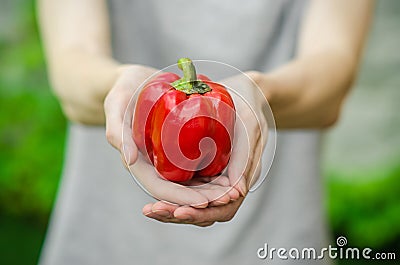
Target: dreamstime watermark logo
{"points": [[341, 241], [340, 251]]}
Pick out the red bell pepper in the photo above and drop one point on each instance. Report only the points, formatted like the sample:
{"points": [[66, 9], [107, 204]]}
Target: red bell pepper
{"points": [[184, 126]]}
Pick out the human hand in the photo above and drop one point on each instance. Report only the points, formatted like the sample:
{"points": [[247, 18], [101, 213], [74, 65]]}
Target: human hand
{"points": [[199, 192], [244, 165]]}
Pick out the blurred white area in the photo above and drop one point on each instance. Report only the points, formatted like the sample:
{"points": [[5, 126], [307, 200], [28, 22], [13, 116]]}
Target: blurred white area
{"points": [[367, 137]]}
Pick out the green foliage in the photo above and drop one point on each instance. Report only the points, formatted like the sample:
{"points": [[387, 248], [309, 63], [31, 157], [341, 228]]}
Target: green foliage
{"points": [[32, 127], [32, 136], [366, 212], [15, 251]]}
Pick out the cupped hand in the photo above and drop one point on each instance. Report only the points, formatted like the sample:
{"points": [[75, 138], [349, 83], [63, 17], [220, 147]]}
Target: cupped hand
{"points": [[172, 213], [244, 167], [118, 107]]}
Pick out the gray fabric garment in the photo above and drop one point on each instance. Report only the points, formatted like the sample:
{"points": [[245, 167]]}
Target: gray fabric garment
{"points": [[97, 218]]}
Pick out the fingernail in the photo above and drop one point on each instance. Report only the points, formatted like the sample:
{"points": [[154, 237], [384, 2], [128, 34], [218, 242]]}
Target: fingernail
{"points": [[242, 187], [148, 213], [185, 217], [220, 202], [162, 213], [127, 154]]}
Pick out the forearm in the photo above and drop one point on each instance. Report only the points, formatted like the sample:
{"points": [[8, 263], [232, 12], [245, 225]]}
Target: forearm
{"points": [[309, 91], [81, 81], [77, 44]]}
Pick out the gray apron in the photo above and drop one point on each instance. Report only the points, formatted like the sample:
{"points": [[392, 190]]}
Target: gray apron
{"points": [[97, 217]]}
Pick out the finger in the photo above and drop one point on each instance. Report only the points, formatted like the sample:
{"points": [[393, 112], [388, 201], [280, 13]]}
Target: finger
{"points": [[114, 107], [124, 161], [164, 190], [248, 128], [178, 221], [163, 212], [242, 166], [217, 180], [205, 224], [239, 160], [234, 194], [216, 194], [157, 213], [258, 150], [161, 215], [231, 195], [119, 113], [211, 214], [147, 208], [165, 209], [165, 219], [255, 168], [118, 132], [221, 200]]}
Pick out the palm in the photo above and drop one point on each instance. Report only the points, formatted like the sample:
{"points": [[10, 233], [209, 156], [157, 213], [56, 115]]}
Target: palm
{"points": [[199, 192], [244, 165]]}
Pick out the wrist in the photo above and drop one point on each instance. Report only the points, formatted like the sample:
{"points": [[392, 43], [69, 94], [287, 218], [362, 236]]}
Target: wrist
{"points": [[282, 86], [307, 92], [81, 80]]}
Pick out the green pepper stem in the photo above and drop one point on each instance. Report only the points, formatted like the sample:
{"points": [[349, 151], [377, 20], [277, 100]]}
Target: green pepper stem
{"points": [[189, 83], [189, 71]]}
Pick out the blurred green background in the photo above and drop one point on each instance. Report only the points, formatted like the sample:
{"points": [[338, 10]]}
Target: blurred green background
{"points": [[361, 154]]}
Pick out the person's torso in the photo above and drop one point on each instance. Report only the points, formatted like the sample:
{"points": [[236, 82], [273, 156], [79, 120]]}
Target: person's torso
{"points": [[250, 35], [100, 207]]}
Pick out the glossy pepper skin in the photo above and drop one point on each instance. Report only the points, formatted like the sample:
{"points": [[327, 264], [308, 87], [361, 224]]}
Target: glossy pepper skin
{"points": [[174, 114]]}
